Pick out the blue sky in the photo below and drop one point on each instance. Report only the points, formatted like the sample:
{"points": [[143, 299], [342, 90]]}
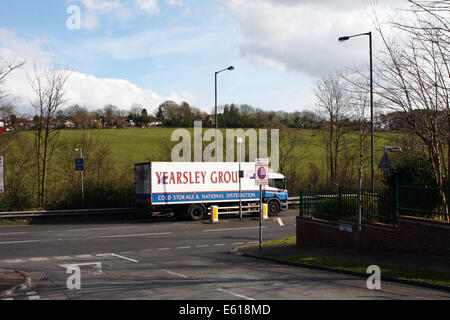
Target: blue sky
{"points": [[147, 51]]}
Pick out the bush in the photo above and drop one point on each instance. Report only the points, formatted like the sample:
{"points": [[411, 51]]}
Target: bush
{"points": [[418, 187], [411, 169]]}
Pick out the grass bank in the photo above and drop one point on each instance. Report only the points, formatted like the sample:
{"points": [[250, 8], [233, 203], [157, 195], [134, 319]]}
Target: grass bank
{"points": [[359, 265]]}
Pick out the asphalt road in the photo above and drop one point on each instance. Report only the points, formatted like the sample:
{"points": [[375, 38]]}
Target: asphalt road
{"points": [[171, 260]]}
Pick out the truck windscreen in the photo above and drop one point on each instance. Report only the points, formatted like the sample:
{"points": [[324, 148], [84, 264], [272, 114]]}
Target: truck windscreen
{"points": [[277, 183]]}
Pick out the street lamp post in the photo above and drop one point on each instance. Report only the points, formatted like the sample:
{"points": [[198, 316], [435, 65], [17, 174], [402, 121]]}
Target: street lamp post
{"points": [[239, 142], [345, 38], [215, 119]]}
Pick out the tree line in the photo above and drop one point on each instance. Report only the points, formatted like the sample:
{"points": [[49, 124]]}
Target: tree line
{"points": [[411, 86]]}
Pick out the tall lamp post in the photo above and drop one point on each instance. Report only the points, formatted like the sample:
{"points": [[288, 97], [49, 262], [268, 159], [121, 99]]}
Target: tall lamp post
{"points": [[345, 38], [215, 119]]}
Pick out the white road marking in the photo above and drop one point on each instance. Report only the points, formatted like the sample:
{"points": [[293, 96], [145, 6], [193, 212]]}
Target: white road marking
{"points": [[238, 243], [280, 222], [176, 274], [220, 245], [17, 242], [236, 294], [15, 261], [117, 256], [134, 235], [8, 299], [202, 246], [84, 256], [63, 258], [38, 259], [182, 248], [31, 293], [97, 265], [252, 242], [34, 298], [96, 229], [231, 229], [164, 249], [12, 233]]}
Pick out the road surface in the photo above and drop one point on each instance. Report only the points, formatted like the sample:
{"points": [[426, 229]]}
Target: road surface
{"points": [[173, 260]]}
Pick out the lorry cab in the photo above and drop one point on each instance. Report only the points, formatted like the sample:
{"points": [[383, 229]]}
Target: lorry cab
{"points": [[275, 194]]}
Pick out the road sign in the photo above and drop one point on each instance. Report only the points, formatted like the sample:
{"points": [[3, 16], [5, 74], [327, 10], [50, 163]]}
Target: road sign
{"points": [[79, 164], [2, 176], [262, 172], [385, 162]]}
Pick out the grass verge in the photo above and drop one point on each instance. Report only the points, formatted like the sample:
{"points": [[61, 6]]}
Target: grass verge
{"points": [[357, 265], [13, 221]]}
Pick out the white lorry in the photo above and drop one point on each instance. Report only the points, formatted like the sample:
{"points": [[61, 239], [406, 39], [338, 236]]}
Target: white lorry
{"points": [[189, 189]]}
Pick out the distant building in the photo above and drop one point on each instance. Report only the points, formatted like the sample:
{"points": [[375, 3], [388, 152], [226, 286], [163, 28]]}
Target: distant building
{"points": [[69, 124], [207, 118], [155, 124]]}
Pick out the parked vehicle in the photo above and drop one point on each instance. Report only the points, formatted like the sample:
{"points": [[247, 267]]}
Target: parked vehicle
{"points": [[189, 189]]}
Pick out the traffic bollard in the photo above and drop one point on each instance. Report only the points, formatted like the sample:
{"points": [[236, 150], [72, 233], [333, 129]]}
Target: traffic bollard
{"points": [[215, 214], [265, 211]]}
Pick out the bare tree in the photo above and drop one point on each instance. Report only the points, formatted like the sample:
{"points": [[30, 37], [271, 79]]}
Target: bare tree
{"points": [[80, 116], [48, 87], [359, 102], [6, 67], [413, 77], [290, 141], [333, 104]]}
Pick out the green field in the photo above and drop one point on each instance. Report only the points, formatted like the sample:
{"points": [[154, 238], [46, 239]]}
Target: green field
{"points": [[140, 145], [110, 155], [131, 145]]}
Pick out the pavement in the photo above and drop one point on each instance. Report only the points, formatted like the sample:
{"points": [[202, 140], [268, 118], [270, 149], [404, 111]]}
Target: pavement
{"points": [[433, 263]]}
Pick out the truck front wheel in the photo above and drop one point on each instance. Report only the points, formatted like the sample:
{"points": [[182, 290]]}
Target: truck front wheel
{"points": [[274, 208], [196, 212]]}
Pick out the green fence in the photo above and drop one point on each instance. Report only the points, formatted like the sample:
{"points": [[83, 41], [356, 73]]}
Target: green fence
{"points": [[343, 204], [423, 202], [383, 206]]}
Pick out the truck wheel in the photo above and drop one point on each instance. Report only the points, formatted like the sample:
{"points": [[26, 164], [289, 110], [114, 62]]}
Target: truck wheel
{"points": [[196, 212], [274, 208]]}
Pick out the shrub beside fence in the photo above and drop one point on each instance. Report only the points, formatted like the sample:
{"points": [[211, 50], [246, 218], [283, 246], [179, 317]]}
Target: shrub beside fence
{"points": [[423, 202], [383, 206]]}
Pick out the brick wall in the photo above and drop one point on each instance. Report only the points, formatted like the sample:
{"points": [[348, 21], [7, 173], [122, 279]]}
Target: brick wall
{"points": [[411, 235]]}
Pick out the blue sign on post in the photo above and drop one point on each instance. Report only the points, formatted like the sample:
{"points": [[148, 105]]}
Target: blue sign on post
{"points": [[79, 164]]}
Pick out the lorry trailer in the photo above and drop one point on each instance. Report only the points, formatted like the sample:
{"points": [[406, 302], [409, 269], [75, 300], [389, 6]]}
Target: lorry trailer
{"points": [[189, 189]]}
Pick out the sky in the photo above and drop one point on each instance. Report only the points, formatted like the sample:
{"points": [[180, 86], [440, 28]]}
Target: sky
{"points": [[126, 52]]}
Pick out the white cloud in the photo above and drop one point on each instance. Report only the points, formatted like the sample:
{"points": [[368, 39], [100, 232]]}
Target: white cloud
{"points": [[86, 90], [94, 10], [149, 6], [302, 35], [94, 92], [173, 3]]}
